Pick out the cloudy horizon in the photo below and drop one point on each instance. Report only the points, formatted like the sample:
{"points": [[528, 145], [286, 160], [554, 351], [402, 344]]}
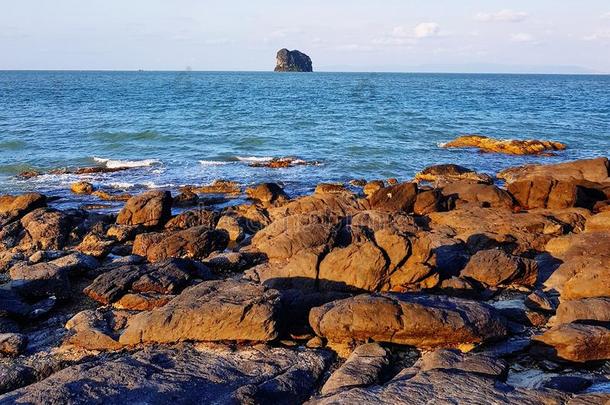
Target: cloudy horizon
{"points": [[474, 36]]}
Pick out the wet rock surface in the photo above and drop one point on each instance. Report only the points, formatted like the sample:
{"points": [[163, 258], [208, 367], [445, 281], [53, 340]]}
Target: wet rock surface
{"points": [[453, 290]]}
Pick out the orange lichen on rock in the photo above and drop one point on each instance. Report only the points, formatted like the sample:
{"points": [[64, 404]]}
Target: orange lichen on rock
{"points": [[509, 146]]}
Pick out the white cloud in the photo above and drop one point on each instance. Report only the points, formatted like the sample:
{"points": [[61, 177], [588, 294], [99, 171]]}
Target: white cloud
{"points": [[427, 30], [522, 37], [599, 35], [505, 15]]}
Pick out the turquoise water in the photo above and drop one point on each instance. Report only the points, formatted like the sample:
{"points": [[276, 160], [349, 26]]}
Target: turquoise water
{"points": [[193, 127]]}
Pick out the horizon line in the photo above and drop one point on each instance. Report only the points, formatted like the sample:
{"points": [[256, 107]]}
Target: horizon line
{"points": [[315, 71]]}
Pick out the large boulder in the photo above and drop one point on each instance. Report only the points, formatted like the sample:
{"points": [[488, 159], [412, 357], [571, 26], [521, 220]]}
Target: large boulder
{"points": [[495, 267], [184, 375], [484, 228], [192, 243], [484, 195], [40, 280], [267, 193], [576, 342], [424, 321], [546, 192], [593, 310], [13, 207], [400, 197], [292, 61], [209, 311], [509, 146], [45, 229], [150, 209], [593, 170]]}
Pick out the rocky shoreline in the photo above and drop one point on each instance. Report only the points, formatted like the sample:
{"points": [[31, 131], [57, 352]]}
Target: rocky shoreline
{"points": [[449, 288]]}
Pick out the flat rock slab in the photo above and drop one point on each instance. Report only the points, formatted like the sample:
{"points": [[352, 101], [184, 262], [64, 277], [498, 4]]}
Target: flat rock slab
{"points": [[183, 376], [444, 387], [576, 342], [424, 321], [165, 277], [210, 311]]}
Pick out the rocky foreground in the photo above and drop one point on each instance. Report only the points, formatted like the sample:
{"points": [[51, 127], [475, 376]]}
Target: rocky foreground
{"points": [[449, 289]]}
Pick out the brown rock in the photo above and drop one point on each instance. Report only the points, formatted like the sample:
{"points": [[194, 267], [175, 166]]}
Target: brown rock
{"points": [[82, 187], [429, 201], [217, 187], [12, 344], [96, 329], [418, 320], [267, 193], [335, 204], [122, 233], [193, 218], [484, 195], [448, 173], [598, 222], [330, 188], [593, 170], [210, 311], [193, 243], [372, 187], [395, 198], [583, 310], [13, 207], [103, 195], [149, 209], [364, 367], [186, 199], [96, 245], [142, 301], [577, 342], [166, 277], [495, 267], [511, 147], [45, 229], [546, 192]]}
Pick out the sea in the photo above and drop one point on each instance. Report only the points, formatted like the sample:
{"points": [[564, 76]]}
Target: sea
{"points": [[191, 128]]}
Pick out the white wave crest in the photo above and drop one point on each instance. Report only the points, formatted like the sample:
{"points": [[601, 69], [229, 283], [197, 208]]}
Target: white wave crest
{"points": [[254, 158], [212, 163], [114, 164]]}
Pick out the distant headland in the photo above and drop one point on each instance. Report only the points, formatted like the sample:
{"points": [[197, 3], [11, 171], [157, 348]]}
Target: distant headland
{"points": [[292, 61]]}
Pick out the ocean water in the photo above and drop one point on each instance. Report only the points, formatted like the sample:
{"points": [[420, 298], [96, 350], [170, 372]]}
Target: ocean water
{"points": [[178, 128]]}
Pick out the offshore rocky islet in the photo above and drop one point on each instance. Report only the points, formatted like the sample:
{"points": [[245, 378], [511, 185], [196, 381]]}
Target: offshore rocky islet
{"points": [[443, 276]]}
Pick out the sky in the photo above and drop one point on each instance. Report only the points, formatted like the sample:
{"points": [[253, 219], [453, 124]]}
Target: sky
{"points": [[547, 36]]}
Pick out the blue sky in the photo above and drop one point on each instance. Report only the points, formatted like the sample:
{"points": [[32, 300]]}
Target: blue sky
{"points": [[353, 35]]}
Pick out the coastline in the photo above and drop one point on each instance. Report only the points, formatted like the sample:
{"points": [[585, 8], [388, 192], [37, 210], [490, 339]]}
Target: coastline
{"points": [[356, 271]]}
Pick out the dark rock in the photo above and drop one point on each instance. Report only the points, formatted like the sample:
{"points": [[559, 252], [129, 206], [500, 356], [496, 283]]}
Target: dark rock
{"points": [[429, 201], [183, 376], [395, 198], [193, 218], [267, 193], [192, 243], [447, 173], [484, 195], [12, 344], [164, 277], [546, 192], [186, 199], [292, 61], [40, 280], [149, 209]]}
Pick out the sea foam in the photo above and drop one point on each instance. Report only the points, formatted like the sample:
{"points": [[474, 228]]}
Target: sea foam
{"points": [[114, 164]]}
